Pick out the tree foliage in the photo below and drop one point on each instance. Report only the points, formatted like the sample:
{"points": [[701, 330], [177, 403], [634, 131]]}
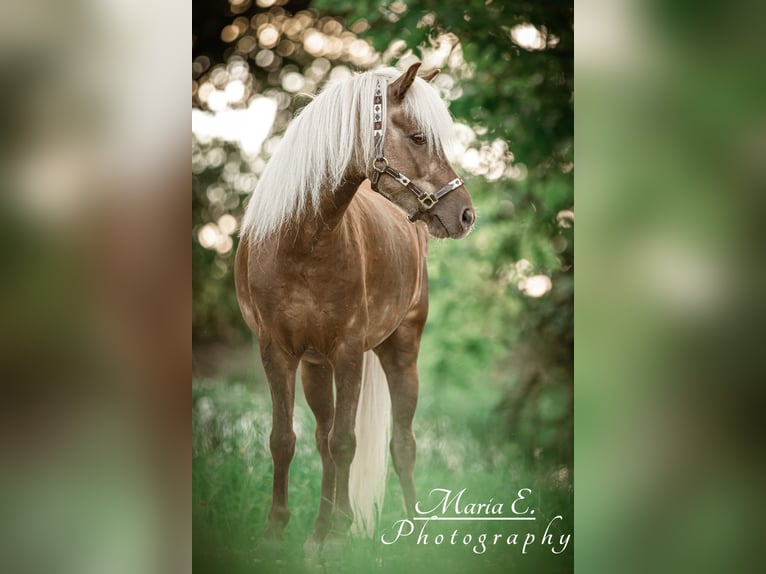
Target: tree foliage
{"points": [[501, 317]]}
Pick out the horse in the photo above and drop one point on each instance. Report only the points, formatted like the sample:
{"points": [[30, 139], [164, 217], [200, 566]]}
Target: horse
{"points": [[331, 276]]}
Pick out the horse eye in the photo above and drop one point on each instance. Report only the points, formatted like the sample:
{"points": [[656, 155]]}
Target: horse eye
{"points": [[418, 139]]}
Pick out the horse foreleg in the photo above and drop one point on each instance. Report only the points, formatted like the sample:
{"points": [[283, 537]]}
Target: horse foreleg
{"points": [[317, 387], [280, 371], [348, 378], [398, 356]]}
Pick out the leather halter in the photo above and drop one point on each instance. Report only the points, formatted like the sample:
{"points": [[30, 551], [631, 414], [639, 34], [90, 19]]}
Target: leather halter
{"points": [[380, 164]]}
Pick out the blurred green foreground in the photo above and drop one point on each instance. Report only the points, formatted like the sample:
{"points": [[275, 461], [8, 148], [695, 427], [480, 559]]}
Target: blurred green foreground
{"points": [[459, 446]]}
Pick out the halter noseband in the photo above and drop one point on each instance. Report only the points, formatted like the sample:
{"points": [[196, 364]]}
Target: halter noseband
{"points": [[380, 164]]}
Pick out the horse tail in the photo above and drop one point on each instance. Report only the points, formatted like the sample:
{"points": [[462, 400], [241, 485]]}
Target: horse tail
{"points": [[367, 480]]}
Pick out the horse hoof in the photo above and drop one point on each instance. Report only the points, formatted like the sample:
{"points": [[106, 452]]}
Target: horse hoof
{"points": [[312, 548], [334, 546], [271, 541]]}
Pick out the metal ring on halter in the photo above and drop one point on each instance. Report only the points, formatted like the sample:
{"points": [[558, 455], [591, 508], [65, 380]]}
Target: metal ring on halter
{"points": [[428, 201], [380, 164]]}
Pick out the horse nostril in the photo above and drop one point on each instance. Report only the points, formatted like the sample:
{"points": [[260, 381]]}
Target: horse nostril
{"points": [[468, 217]]}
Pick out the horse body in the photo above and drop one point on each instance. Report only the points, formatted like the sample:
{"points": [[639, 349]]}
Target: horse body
{"points": [[310, 291], [331, 275]]}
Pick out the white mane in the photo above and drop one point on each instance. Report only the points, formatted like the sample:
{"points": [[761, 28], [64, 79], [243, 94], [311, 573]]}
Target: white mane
{"points": [[323, 139]]}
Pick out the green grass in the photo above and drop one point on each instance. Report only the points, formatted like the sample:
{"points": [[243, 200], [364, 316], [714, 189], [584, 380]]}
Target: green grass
{"points": [[461, 444]]}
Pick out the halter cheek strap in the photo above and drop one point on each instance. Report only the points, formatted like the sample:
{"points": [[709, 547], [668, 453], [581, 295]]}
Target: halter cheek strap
{"points": [[380, 164]]}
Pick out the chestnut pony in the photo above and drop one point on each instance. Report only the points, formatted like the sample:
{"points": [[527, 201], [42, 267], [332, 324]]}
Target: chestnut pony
{"points": [[331, 276]]}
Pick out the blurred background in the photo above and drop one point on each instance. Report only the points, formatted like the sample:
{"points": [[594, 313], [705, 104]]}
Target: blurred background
{"points": [[94, 287], [95, 321], [496, 365], [671, 142]]}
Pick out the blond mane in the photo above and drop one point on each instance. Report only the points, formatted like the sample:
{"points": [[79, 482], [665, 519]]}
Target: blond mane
{"points": [[323, 139]]}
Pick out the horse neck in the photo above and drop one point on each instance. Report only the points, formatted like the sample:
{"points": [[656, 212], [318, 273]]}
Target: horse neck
{"points": [[333, 204]]}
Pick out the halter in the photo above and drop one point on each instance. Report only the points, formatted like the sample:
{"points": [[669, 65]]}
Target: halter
{"points": [[380, 164]]}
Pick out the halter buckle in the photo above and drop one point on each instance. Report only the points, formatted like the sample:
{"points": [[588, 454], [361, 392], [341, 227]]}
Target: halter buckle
{"points": [[427, 201], [380, 164]]}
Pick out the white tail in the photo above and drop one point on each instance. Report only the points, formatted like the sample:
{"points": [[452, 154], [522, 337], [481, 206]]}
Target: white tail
{"points": [[367, 481]]}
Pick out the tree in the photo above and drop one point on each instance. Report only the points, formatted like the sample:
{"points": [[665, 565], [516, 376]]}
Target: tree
{"points": [[502, 300]]}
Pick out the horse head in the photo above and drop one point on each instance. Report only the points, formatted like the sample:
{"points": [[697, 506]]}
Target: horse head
{"points": [[422, 181]]}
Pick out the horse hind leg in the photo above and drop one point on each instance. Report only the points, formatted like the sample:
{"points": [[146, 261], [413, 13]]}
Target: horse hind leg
{"points": [[317, 379], [280, 370]]}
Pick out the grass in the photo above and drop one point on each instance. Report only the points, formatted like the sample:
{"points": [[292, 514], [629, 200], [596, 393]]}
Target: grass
{"points": [[461, 444]]}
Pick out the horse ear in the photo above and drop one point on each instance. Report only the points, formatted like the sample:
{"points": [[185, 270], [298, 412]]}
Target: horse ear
{"points": [[430, 75], [400, 86]]}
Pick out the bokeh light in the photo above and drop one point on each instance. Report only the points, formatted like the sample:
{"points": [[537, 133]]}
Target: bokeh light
{"points": [[528, 37]]}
